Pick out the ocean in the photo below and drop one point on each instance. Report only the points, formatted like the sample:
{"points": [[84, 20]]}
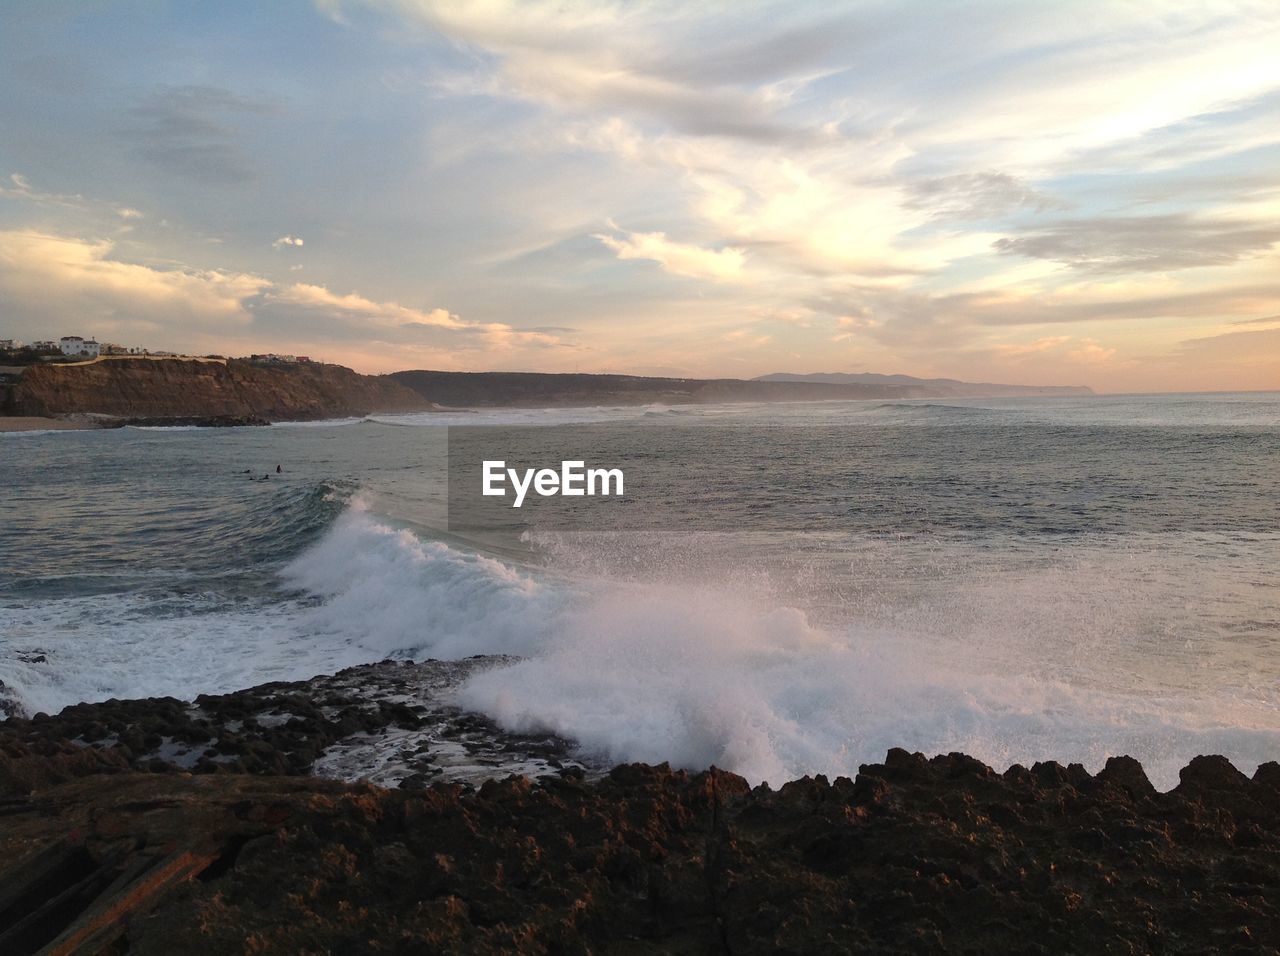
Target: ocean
{"points": [[1017, 579]]}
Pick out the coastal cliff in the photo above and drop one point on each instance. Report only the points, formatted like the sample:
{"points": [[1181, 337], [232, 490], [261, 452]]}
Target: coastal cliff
{"points": [[545, 389], [213, 388], [542, 389]]}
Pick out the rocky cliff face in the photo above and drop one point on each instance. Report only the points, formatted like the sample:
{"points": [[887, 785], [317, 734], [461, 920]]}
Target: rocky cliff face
{"points": [[171, 388]]}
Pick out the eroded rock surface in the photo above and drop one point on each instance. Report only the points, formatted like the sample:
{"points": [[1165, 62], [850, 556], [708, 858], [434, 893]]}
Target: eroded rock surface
{"points": [[914, 855], [390, 723], [169, 389]]}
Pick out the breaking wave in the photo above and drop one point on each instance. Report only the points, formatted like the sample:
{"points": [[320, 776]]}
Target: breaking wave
{"points": [[627, 668]]}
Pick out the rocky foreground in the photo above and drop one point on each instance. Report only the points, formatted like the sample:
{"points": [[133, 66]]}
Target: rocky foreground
{"points": [[163, 827]]}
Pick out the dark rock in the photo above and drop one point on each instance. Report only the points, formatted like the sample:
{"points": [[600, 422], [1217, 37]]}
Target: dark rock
{"points": [[1127, 774], [286, 727], [1268, 774], [1210, 773], [198, 421], [242, 850]]}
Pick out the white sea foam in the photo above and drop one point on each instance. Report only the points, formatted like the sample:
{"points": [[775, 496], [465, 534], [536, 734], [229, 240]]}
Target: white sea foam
{"points": [[700, 678], [648, 669], [363, 593], [397, 595], [93, 648]]}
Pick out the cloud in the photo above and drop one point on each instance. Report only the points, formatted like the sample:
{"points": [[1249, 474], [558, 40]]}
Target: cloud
{"points": [[49, 280], [1090, 352], [749, 338], [1048, 343], [852, 327], [383, 313], [923, 188], [1145, 243], [928, 324], [1265, 320], [377, 319], [1066, 351], [284, 241], [53, 278], [589, 59], [1254, 347], [716, 112], [21, 188], [184, 130], [985, 195], [1231, 128], [830, 163], [1245, 360], [1089, 305], [678, 258]]}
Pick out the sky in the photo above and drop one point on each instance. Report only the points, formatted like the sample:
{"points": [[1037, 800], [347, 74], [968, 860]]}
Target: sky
{"points": [[1068, 193]]}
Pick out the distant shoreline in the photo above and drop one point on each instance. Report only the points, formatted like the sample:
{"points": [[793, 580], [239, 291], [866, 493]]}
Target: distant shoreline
{"points": [[33, 423]]}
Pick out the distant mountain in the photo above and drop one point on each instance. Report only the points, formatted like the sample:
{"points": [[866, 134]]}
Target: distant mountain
{"points": [[929, 387]]}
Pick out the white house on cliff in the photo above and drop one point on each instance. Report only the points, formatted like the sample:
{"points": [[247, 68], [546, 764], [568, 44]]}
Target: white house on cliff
{"points": [[81, 348]]}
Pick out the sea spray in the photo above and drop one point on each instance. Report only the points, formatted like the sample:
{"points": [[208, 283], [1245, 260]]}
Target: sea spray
{"points": [[648, 668], [645, 667], [400, 596], [1075, 586], [698, 678]]}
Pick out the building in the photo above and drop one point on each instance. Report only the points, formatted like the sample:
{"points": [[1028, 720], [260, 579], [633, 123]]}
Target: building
{"points": [[8, 344], [75, 346], [43, 346]]}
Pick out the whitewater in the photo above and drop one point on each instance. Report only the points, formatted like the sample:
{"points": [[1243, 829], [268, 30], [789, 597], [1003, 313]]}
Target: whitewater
{"points": [[1105, 584]]}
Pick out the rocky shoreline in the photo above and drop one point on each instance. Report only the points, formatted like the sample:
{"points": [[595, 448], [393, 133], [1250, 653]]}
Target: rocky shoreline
{"points": [[388, 723], [162, 826]]}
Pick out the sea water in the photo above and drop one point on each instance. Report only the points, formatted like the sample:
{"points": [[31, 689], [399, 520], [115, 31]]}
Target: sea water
{"points": [[1018, 579]]}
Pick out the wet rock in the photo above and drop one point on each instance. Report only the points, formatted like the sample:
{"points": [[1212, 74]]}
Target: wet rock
{"points": [[1210, 773], [1127, 774], [646, 858], [189, 421], [384, 722], [1268, 774], [231, 845]]}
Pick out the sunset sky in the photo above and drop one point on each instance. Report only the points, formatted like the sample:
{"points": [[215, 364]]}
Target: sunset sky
{"points": [[1046, 193]]}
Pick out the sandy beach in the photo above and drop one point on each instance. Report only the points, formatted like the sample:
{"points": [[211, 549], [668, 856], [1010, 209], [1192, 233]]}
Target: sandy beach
{"points": [[31, 423]]}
